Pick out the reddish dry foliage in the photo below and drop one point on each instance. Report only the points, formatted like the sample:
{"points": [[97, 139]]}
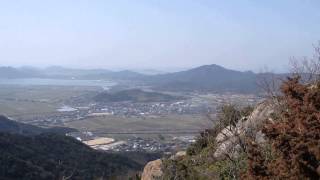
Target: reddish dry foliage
{"points": [[295, 137], [257, 163]]}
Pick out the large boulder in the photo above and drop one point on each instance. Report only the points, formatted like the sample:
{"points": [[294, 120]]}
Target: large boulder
{"points": [[178, 155], [152, 170], [259, 116]]}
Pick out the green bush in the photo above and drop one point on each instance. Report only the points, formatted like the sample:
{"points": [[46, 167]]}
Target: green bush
{"points": [[200, 162]]}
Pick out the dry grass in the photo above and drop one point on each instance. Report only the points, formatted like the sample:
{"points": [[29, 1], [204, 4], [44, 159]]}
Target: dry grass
{"points": [[99, 141]]}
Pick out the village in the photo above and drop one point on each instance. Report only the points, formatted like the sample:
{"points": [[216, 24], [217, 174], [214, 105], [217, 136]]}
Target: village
{"points": [[104, 138]]}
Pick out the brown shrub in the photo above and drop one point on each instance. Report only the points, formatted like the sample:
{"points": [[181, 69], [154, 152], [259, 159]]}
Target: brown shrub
{"points": [[295, 136]]}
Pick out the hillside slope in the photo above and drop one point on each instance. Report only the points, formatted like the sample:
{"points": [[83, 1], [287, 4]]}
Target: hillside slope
{"points": [[10, 126], [52, 156], [28, 152]]}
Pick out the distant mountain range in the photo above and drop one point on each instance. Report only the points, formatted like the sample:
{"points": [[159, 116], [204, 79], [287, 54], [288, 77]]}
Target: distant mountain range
{"points": [[10, 72], [204, 78], [57, 72]]}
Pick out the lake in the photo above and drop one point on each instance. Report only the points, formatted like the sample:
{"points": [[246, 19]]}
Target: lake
{"points": [[57, 82]]}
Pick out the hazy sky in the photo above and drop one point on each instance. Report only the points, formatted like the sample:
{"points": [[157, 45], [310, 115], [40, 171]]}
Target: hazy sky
{"points": [[238, 34]]}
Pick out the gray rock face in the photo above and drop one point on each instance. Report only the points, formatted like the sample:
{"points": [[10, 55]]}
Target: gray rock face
{"points": [[229, 139], [259, 116]]}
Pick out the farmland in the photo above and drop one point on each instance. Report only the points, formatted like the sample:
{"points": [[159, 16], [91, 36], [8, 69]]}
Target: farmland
{"points": [[133, 125]]}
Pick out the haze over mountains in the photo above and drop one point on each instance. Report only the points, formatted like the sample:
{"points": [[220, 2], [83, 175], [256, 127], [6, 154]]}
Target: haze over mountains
{"points": [[61, 73], [205, 78]]}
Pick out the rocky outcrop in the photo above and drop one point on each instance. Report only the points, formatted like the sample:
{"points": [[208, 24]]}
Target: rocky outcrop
{"points": [[230, 137], [259, 116], [152, 170], [228, 141]]}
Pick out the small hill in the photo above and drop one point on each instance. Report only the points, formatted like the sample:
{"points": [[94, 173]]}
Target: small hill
{"points": [[114, 75], [134, 95]]}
